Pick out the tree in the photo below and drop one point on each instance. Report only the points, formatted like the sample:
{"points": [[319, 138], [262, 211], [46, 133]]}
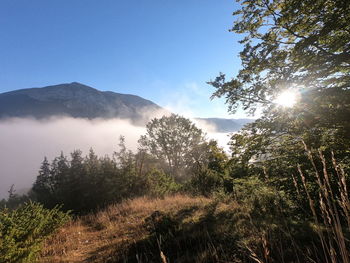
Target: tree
{"points": [[211, 173], [77, 183], [44, 185], [173, 139], [300, 45], [289, 44]]}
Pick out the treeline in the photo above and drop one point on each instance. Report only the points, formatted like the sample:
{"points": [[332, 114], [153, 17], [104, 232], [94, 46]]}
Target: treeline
{"points": [[83, 184], [173, 156]]}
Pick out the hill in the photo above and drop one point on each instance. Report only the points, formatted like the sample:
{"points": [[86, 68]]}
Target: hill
{"points": [[173, 229], [226, 125], [81, 101], [75, 100]]}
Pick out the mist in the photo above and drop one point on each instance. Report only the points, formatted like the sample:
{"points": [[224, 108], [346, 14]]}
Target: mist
{"points": [[25, 142]]}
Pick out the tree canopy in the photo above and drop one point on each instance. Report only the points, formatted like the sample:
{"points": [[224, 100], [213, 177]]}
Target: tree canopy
{"points": [[176, 140], [303, 45]]}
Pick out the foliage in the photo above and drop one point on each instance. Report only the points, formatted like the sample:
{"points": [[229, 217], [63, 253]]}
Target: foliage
{"points": [[291, 45], [23, 230], [73, 183], [284, 50], [172, 152], [211, 174], [288, 44], [176, 141], [296, 45], [14, 200], [259, 197], [206, 182], [160, 184]]}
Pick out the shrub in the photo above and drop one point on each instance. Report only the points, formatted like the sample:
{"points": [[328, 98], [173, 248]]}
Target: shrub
{"points": [[206, 182], [23, 230], [161, 184]]}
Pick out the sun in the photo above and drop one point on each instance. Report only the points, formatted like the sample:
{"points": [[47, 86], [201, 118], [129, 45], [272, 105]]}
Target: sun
{"points": [[287, 98]]}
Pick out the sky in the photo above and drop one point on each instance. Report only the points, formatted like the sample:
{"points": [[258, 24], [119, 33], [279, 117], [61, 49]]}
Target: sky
{"points": [[161, 50]]}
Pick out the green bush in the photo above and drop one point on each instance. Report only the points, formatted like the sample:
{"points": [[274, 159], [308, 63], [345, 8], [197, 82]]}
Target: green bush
{"points": [[23, 230], [269, 223], [260, 196], [160, 184], [206, 182]]}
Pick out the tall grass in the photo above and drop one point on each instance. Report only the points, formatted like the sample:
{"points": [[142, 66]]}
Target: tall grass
{"points": [[334, 206]]}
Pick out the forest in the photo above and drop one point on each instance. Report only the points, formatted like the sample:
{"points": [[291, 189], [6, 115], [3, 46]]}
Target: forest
{"points": [[280, 195]]}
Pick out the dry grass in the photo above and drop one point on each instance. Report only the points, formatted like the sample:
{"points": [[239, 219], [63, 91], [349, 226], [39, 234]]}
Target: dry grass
{"points": [[99, 237], [333, 240]]}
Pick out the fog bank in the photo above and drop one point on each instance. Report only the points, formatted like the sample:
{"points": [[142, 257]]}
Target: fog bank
{"points": [[25, 142]]}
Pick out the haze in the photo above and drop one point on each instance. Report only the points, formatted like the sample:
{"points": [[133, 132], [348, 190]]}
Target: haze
{"points": [[25, 142]]}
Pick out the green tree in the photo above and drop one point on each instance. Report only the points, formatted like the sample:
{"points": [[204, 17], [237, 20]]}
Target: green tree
{"points": [[43, 186], [300, 44], [14, 200], [77, 183], [211, 173], [174, 140], [60, 177]]}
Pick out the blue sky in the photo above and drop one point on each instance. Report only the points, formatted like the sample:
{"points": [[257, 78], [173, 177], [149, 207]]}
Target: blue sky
{"points": [[162, 50]]}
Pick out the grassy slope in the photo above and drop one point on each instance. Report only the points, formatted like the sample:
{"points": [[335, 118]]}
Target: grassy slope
{"points": [[184, 229]]}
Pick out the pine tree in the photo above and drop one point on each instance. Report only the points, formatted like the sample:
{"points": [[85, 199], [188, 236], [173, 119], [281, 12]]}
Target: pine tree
{"points": [[44, 187]]}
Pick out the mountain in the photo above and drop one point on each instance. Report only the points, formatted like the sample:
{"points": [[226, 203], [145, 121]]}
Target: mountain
{"points": [[226, 125], [81, 101], [75, 100]]}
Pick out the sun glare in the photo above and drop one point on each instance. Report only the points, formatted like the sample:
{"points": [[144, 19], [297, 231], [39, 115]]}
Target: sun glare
{"points": [[286, 99]]}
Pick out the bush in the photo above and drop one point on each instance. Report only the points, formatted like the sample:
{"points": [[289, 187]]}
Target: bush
{"points": [[23, 230], [269, 224], [160, 184], [260, 196], [207, 182]]}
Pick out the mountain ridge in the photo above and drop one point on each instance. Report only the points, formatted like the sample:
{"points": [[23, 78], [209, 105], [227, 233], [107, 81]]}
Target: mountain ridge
{"points": [[82, 101], [72, 99]]}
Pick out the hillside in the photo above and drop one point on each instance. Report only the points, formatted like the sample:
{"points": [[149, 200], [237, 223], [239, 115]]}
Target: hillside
{"points": [[80, 101], [226, 125], [174, 229], [75, 100]]}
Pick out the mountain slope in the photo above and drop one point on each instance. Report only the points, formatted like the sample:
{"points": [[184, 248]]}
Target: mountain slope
{"points": [[75, 100], [81, 101], [226, 125]]}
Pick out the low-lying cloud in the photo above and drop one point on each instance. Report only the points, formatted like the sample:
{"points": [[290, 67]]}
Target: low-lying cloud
{"points": [[24, 143]]}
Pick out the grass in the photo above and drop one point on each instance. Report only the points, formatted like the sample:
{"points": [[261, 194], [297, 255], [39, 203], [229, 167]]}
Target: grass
{"points": [[333, 240], [177, 228], [254, 225], [113, 234]]}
